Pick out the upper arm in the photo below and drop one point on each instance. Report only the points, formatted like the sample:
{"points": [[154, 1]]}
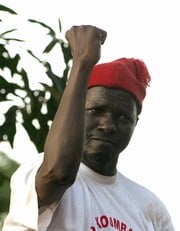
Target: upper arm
{"points": [[50, 188]]}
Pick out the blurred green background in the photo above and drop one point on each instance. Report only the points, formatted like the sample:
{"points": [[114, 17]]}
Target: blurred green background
{"points": [[33, 108]]}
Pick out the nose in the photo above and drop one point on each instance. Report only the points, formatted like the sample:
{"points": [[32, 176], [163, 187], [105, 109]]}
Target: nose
{"points": [[107, 123]]}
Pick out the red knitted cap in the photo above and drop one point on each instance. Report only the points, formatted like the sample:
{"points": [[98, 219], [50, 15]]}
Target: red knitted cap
{"points": [[128, 74]]}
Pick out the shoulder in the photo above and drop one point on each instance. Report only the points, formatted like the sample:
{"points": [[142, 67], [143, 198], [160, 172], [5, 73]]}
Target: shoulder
{"points": [[148, 202], [27, 169], [137, 189]]}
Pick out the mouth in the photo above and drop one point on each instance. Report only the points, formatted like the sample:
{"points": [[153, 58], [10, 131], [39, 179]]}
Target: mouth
{"points": [[103, 140]]}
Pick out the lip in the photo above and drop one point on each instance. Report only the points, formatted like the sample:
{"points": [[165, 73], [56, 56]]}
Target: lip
{"points": [[102, 140]]}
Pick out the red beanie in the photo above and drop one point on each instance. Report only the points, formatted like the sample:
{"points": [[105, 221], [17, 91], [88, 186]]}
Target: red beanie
{"points": [[128, 74]]}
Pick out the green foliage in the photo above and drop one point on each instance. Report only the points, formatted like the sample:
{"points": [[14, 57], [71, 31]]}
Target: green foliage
{"points": [[7, 167], [32, 101], [7, 9], [33, 108]]}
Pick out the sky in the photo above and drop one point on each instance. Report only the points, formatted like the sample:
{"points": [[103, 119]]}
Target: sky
{"points": [[135, 28]]}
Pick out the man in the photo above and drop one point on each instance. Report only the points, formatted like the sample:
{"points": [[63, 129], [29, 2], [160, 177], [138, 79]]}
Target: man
{"points": [[75, 185]]}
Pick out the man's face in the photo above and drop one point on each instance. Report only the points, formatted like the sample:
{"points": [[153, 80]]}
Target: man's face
{"points": [[111, 116]]}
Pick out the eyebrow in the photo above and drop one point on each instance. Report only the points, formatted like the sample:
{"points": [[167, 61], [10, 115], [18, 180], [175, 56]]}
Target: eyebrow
{"points": [[95, 104]]}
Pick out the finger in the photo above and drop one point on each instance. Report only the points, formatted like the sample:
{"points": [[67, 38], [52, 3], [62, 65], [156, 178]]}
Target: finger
{"points": [[102, 36], [67, 35]]}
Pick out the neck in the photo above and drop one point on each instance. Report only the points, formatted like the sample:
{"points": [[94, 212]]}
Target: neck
{"points": [[106, 168]]}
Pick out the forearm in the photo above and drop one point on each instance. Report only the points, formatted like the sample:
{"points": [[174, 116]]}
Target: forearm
{"points": [[64, 143]]}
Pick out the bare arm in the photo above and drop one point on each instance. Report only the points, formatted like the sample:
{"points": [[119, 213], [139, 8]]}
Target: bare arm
{"points": [[64, 143]]}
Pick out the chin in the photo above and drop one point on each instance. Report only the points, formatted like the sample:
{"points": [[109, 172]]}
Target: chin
{"points": [[99, 156]]}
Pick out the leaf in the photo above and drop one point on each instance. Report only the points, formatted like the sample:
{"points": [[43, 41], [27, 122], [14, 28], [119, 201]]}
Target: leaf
{"points": [[8, 128], [58, 82], [4, 8], [65, 73], [34, 56], [66, 51], [59, 23], [25, 79], [13, 62], [6, 88], [52, 105], [9, 62], [13, 39], [51, 31], [8, 31], [50, 46]]}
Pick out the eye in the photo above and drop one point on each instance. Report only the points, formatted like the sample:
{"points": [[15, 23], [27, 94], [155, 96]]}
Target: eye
{"points": [[125, 118], [95, 110]]}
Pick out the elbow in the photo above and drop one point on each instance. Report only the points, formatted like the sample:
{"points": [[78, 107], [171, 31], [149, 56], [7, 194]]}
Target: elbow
{"points": [[62, 176], [51, 184]]}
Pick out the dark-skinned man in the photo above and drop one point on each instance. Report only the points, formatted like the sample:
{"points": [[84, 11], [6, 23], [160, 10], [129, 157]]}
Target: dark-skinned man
{"points": [[74, 185]]}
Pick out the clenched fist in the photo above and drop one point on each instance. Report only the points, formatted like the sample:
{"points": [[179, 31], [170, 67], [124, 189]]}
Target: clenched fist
{"points": [[85, 42]]}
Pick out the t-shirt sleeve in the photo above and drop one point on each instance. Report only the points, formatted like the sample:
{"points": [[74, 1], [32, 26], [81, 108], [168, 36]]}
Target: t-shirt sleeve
{"points": [[162, 220], [23, 211], [166, 224]]}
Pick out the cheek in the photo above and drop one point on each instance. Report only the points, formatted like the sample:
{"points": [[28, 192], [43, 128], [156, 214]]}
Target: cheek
{"points": [[126, 131], [90, 124], [124, 137]]}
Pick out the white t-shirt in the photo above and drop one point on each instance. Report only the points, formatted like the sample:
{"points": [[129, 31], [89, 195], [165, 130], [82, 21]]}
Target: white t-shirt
{"points": [[94, 202]]}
